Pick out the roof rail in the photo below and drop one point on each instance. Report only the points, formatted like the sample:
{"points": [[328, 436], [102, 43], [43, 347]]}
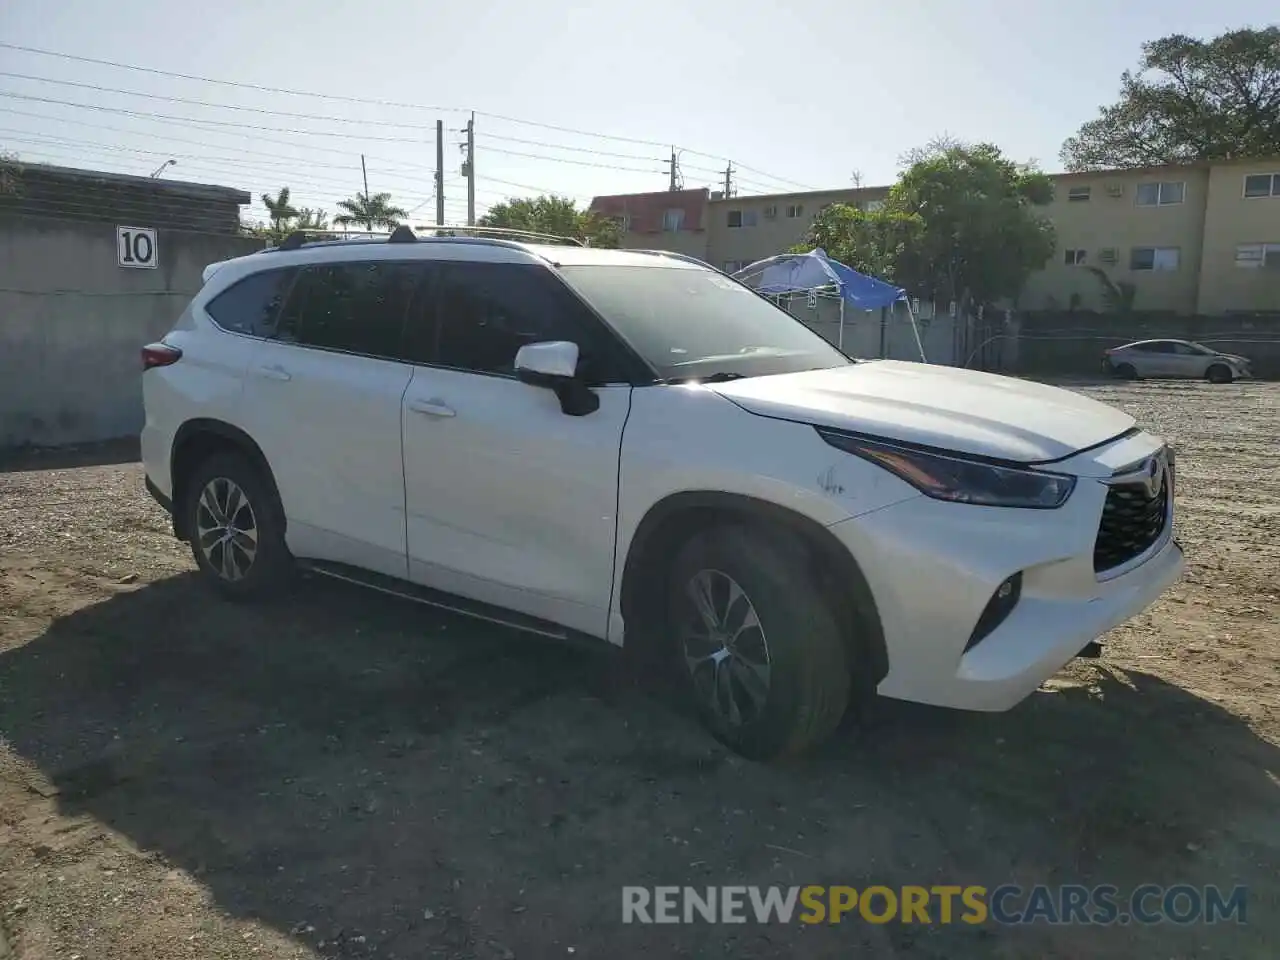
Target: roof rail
{"points": [[498, 233], [406, 234]]}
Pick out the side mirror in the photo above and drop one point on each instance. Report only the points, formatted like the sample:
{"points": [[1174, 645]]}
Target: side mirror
{"points": [[554, 364], [547, 364]]}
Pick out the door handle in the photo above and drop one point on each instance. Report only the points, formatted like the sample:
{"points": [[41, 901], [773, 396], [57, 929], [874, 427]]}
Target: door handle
{"points": [[435, 407], [275, 372]]}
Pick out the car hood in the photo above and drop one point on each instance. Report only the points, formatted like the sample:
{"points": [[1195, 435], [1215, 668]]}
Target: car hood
{"points": [[943, 407]]}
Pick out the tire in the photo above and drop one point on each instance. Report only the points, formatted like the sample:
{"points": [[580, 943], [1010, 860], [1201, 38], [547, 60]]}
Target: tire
{"points": [[256, 511], [807, 682], [1218, 373], [1127, 371]]}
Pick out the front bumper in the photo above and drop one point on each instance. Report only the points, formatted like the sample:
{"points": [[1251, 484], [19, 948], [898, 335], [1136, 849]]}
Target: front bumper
{"points": [[933, 567]]}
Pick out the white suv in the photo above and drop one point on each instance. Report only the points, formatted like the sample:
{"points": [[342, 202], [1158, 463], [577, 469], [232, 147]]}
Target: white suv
{"points": [[635, 447]]}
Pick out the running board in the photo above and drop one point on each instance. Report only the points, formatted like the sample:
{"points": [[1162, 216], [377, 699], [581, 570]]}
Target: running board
{"points": [[405, 590]]}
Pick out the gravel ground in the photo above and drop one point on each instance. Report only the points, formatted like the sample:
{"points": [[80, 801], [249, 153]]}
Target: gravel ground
{"points": [[342, 775]]}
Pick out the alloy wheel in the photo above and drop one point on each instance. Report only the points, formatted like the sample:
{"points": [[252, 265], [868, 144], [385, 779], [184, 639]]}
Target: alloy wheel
{"points": [[226, 529], [724, 648]]}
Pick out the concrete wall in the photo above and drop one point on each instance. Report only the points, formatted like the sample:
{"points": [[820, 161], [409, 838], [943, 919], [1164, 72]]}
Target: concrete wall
{"points": [[72, 323]]}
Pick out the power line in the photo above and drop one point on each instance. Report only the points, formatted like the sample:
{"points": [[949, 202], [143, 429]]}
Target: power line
{"points": [[375, 102], [563, 146], [220, 106], [579, 163], [223, 146], [149, 115]]}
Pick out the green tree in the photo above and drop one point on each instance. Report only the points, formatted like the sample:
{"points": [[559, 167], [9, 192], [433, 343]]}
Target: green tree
{"points": [[1117, 295], [369, 212], [280, 212], [309, 219], [873, 243], [960, 224], [1189, 100], [556, 216], [981, 234]]}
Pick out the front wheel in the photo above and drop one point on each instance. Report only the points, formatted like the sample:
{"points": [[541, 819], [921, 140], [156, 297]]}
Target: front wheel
{"points": [[236, 527], [1218, 373], [759, 645]]}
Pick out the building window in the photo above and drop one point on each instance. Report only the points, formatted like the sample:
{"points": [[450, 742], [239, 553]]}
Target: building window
{"points": [[795, 210], [1261, 185], [1154, 258], [733, 266], [623, 222], [1079, 194], [750, 218], [1258, 255], [1073, 258], [874, 205], [1161, 194], [673, 220], [734, 218]]}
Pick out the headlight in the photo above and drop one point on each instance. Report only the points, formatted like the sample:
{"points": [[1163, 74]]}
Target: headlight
{"points": [[946, 476]]}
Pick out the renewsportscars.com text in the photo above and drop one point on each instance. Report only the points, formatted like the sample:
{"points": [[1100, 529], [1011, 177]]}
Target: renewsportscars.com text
{"points": [[1007, 904]]}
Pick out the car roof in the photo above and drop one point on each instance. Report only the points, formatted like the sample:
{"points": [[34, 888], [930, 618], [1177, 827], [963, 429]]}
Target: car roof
{"points": [[473, 249]]}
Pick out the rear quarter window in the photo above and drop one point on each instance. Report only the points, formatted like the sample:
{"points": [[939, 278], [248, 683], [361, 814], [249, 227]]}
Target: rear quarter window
{"points": [[251, 305]]}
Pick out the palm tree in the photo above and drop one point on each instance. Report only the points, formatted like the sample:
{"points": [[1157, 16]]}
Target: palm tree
{"points": [[372, 211], [309, 219], [280, 210]]}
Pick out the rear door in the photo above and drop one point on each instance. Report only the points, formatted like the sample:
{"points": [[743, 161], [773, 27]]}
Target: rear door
{"points": [[509, 500], [322, 397]]}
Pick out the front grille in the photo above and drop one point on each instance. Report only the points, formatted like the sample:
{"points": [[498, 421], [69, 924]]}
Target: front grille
{"points": [[1132, 521]]}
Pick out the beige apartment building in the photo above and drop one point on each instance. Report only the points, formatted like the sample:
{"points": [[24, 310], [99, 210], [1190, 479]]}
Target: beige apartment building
{"points": [[1201, 238]]}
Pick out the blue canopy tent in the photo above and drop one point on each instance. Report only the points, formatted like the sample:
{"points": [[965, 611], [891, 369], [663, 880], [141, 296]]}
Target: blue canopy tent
{"points": [[816, 274]]}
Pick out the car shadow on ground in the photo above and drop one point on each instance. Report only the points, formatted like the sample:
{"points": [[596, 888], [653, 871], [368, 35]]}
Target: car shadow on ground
{"points": [[396, 782]]}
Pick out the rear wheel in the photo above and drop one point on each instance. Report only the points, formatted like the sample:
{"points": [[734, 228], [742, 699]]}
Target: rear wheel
{"points": [[236, 527], [760, 648], [1127, 371], [1218, 373]]}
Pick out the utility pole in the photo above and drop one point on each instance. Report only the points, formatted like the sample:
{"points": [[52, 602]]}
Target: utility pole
{"points": [[368, 226], [728, 180], [439, 173], [470, 171], [672, 183]]}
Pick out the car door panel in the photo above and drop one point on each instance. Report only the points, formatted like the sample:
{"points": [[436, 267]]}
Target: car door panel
{"points": [[508, 499], [328, 420]]}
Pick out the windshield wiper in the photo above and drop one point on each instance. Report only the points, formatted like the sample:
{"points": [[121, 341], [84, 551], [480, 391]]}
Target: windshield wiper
{"points": [[724, 376]]}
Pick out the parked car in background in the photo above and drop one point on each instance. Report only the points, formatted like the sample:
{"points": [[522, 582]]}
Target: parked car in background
{"points": [[1173, 358], [636, 448]]}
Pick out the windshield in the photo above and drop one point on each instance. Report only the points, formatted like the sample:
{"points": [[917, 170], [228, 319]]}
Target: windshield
{"points": [[696, 324]]}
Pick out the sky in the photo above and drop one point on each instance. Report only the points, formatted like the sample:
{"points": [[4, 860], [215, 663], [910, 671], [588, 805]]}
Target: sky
{"points": [[574, 99]]}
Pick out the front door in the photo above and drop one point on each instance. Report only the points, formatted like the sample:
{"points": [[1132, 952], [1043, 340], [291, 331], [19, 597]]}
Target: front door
{"points": [[509, 500]]}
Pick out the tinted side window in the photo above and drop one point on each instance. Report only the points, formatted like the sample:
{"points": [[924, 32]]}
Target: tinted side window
{"points": [[488, 311], [1161, 346], [250, 306], [354, 307]]}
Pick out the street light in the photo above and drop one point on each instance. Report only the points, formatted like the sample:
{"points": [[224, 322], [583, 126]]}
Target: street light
{"points": [[161, 169]]}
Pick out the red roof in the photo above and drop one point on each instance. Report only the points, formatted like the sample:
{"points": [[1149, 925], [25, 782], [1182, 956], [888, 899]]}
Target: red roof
{"points": [[644, 211]]}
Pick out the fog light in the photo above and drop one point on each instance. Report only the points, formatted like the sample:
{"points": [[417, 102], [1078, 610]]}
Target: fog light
{"points": [[997, 609]]}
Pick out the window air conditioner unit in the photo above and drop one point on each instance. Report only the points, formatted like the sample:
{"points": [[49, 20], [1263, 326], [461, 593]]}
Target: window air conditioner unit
{"points": [[1108, 255], [1115, 190]]}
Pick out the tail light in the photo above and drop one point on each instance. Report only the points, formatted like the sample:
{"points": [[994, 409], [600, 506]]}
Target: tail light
{"points": [[159, 355]]}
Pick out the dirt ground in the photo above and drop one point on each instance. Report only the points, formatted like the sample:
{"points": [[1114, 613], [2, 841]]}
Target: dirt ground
{"points": [[343, 775]]}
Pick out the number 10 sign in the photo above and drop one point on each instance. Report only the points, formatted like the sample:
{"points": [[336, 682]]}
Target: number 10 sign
{"points": [[136, 247]]}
